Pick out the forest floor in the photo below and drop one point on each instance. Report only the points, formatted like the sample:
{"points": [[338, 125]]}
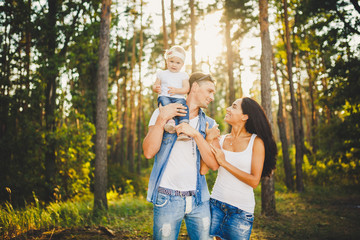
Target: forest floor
{"points": [[318, 213]]}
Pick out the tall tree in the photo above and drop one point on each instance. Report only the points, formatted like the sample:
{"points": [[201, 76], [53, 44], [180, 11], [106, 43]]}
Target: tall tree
{"points": [[239, 19], [100, 184], [132, 115], [124, 117], [193, 42], [281, 121], [267, 184], [229, 58], [294, 113], [140, 109], [166, 45], [50, 95], [173, 26]]}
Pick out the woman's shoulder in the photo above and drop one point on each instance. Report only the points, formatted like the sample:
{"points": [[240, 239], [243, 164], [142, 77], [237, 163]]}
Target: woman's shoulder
{"points": [[258, 142]]}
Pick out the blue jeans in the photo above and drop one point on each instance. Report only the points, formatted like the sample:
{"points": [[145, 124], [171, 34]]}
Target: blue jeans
{"points": [[229, 222], [169, 211], [163, 100]]}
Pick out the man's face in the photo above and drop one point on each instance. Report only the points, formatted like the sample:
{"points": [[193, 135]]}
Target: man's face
{"points": [[205, 93]]}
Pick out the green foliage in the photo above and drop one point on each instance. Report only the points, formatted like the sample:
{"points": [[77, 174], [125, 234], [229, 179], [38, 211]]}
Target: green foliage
{"points": [[339, 142], [125, 182], [73, 157]]}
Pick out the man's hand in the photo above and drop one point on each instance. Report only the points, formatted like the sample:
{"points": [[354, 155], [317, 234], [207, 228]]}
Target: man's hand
{"points": [[186, 129], [212, 133], [171, 110]]}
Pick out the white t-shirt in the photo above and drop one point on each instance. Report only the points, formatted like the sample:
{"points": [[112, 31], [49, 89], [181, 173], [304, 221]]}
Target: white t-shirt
{"points": [[171, 79], [227, 187], [180, 171]]}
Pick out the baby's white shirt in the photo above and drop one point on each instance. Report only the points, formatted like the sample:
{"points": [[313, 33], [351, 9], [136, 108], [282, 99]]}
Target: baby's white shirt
{"points": [[171, 79]]}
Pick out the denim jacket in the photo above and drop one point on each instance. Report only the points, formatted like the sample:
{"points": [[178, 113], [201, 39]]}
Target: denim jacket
{"points": [[162, 157]]}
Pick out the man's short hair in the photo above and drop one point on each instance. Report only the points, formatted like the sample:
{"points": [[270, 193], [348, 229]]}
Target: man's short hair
{"points": [[199, 78]]}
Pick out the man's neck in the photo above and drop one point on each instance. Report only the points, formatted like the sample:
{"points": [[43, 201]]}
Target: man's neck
{"points": [[193, 110]]}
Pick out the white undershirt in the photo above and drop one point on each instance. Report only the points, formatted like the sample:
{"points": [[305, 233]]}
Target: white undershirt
{"points": [[227, 187], [180, 172]]}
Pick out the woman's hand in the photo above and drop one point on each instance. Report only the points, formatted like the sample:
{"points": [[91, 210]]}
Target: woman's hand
{"points": [[219, 155], [212, 133]]}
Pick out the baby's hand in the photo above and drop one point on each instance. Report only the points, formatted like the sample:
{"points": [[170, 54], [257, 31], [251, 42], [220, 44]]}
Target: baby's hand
{"points": [[172, 91], [212, 133], [157, 88]]}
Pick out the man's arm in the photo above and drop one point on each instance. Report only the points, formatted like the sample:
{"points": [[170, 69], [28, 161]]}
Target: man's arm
{"points": [[152, 141], [212, 137], [204, 147]]}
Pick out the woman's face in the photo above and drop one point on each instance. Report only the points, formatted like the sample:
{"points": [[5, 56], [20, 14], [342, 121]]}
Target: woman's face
{"points": [[234, 114]]}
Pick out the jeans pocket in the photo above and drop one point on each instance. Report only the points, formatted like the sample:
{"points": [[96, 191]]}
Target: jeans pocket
{"points": [[248, 216], [161, 200]]}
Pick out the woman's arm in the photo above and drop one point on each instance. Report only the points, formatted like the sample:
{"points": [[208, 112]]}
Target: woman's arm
{"points": [[257, 164], [152, 141], [184, 90]]}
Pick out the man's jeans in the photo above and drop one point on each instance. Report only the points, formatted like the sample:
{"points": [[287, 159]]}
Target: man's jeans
{"points": [[169, 211]]}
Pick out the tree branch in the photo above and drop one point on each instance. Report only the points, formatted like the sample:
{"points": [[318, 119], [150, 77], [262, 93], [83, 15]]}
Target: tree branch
{"points": [[356, 5], [342, 18], [70, 33]]}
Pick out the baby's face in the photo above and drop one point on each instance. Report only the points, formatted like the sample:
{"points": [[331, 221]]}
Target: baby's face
{"points": [[174, 64]]}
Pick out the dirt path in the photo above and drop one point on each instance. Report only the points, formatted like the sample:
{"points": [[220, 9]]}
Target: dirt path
{"points": [[85, 233]]}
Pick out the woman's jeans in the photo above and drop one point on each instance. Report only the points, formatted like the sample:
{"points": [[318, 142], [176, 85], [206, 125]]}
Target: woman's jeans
{"points": [[229, 222], [163, 100], [170, 210]]}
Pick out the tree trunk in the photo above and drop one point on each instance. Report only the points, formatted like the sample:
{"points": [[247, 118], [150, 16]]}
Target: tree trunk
{"points": [[325, 88], [294, 112], [267, 184], [124, 116], [282, 130], [193, 43], [132, 122], [229, 55], [313, 113], [173, 26], [50, 99], [139, 127], [166, 46], [100, 183], [118, 103]]}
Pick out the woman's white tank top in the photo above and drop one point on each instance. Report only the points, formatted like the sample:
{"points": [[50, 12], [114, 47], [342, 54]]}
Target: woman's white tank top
{"points": [[227, 187]]}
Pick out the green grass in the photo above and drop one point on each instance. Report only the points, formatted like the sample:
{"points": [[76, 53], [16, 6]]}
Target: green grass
{"points": [[127, 214], [318, 213]]}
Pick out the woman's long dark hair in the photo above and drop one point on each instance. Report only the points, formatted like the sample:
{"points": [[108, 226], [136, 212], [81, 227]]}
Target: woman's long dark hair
{"points": [[259, 124]]}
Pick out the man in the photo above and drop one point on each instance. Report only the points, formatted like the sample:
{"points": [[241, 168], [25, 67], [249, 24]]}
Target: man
{"points": [[176, 187]]}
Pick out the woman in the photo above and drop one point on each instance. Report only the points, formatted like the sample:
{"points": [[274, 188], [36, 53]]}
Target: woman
{"points": [[244, 156]]}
